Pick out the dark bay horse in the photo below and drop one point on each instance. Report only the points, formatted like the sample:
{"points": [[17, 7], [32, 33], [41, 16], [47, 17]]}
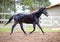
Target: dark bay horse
{"points": [[32, 18]]}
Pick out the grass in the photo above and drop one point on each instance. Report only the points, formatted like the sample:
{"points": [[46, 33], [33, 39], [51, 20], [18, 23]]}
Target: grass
{"points": [[28, 30], [4, 29], [50, 30]]}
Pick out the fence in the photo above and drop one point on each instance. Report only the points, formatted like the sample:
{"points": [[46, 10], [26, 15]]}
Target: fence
{"points": [[50, 21]]}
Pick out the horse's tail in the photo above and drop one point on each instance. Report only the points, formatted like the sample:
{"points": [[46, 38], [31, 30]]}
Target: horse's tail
{"points": [[9, 20]]}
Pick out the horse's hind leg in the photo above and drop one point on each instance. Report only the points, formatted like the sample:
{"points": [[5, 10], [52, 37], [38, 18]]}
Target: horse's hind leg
{"points": [[13, 28], [22, 28], [33, 28]]}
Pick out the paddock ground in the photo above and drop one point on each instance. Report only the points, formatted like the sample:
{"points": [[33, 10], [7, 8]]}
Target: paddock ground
{"points": [[51, 35], [34, 37]]}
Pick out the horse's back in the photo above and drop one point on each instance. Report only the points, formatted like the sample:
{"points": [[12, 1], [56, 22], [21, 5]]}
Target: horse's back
{"points": [[25, 18]]}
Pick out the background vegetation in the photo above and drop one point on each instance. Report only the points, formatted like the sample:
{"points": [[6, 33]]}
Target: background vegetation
{"points": [[7, 6]]}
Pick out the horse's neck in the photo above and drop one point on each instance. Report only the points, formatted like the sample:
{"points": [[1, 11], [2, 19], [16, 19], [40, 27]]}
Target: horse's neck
{"points": [[37, 14]]}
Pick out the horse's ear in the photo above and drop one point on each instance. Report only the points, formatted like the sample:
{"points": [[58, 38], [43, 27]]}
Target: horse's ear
{"points": [[42, 8]]}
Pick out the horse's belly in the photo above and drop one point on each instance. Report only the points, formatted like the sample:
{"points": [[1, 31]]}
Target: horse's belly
{"points": [[28, 21]]}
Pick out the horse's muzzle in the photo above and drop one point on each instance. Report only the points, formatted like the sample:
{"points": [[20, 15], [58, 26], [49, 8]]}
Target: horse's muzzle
{"points": [[47, 15]]}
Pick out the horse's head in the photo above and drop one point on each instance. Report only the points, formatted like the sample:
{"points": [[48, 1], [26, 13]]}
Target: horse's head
{"points": [[43, 10]]}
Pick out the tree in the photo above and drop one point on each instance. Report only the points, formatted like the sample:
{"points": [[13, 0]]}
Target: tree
{"points": [[10, 5], [7, 6], [34, 4], [44, 2], [28, 3]]}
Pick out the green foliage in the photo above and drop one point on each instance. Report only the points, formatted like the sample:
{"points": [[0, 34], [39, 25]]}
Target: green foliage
{"points": [[34, 4], [10, 5], [7, 16], [7, 6]]}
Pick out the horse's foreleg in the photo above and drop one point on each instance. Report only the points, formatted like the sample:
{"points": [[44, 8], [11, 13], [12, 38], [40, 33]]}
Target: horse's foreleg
{"points": [[40, 27], [22, 28], [33, 28]]}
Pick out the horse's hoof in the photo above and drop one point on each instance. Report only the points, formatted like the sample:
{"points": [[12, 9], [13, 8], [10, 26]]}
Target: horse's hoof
{"points": [[25, 33], [30, 33], [43, 33], [10, 33]]}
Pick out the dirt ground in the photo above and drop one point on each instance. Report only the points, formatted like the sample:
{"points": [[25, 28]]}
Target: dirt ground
{"points": [[34, 37]]}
